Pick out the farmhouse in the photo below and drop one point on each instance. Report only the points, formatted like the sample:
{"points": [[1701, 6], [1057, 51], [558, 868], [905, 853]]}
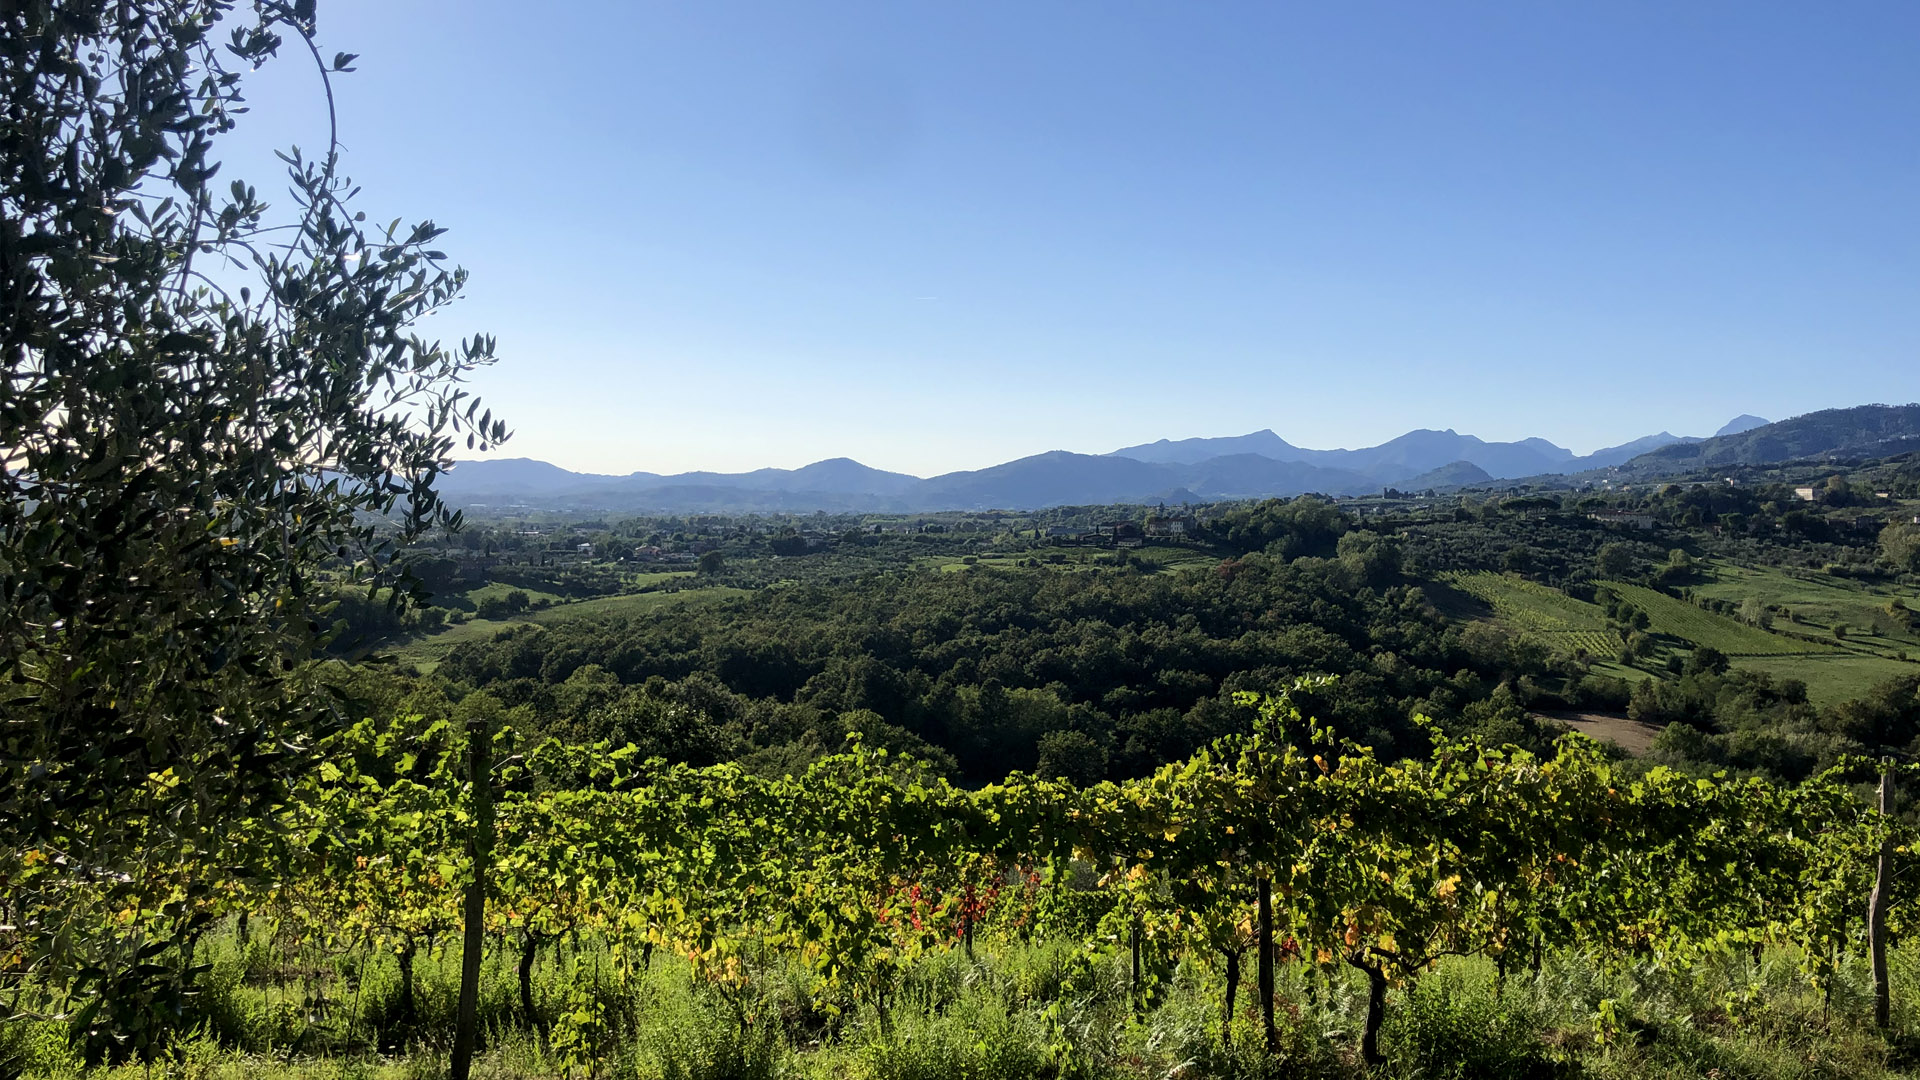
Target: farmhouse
{"points": [[1170, 525], [1071, 535]]}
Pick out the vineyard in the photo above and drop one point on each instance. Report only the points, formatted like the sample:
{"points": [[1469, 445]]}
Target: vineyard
{"points": [[1559, 621], [1570, 625], [1285, 850]]}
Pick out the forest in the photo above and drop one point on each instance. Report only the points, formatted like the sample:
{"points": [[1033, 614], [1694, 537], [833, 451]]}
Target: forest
{"points": [[992, 648]]}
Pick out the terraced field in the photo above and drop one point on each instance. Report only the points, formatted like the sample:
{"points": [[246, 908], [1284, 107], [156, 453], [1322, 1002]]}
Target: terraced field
{"points": [[1676, 617], [1556, 619]]}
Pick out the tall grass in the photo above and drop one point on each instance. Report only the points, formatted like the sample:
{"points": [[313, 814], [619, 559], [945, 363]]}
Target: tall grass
{"points": [[273, 1008]]}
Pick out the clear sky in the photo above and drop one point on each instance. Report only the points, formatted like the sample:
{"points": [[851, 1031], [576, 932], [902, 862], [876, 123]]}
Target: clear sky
{"points": [[938, 236]]}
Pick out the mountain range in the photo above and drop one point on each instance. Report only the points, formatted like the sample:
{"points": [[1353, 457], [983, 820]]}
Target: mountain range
{"points": [[1256, 465]]}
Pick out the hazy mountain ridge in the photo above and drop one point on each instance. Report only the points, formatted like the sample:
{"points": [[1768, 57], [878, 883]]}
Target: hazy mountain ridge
{"points": [[1061, 477], [1054, 478], [1400, 459], [1397, 459], [1459, 474]]}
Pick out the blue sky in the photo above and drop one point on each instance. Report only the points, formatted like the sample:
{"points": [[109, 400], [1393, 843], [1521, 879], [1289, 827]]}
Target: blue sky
{"points": [[939, 236]]}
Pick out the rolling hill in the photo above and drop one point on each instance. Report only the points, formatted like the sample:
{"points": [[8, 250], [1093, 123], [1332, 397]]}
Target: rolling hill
{"points": [[1860, 432]]}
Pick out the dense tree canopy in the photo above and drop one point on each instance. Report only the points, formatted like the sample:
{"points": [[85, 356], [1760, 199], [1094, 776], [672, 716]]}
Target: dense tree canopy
{"points": [[210, 401], [995, 667]]}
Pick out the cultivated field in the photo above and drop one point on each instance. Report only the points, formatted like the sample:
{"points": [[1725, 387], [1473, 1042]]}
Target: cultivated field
{"points": [[1675, 617], [1561, 622], [1630, 735], [1820, 602], [1833, 670], [426, 652], [1154, 559], [1832, 677]]}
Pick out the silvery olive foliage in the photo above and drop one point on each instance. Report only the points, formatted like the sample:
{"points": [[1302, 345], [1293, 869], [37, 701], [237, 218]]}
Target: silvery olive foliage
{"points": [[216, 411]]}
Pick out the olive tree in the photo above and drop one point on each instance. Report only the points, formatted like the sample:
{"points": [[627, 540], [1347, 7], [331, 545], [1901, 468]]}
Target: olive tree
{"points": [[215, 413]]}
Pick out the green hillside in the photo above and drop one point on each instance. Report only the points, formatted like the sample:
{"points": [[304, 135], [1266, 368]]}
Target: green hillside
{"points": [[426, 651], [1561, 622], [1678, 618], [1862, 431]]}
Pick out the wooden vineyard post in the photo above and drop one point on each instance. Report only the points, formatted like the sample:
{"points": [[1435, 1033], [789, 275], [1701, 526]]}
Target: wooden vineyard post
{"points": [[1134, 941], [1264, 965], [1233, 990], [1877, 908], [480, 847]]}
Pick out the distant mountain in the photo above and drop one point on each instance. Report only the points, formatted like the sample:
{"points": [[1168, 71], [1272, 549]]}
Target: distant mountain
{"points": [[1863, 431], [1061, 478], [1743, 422], [1390, 462], [516, 474], [847, 475], [1424, 450], [1627, 451], [1458, 474], [1257, 465], [835, 476], [1399, 461], [512, 480], [1051, 479], [839, 481], [1250, 476], [1193, 451]]}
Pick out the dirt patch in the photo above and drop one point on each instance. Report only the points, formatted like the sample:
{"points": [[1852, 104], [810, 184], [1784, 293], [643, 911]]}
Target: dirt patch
{"points": [[1630, 735]]}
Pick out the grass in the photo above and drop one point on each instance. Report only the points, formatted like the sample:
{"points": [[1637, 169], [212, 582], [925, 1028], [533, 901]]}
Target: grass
{"points": [[497, 590], [1834, 677], [1675, 617], [1820, 602], [1013, 1011], [425, 652], [1834, 670]]}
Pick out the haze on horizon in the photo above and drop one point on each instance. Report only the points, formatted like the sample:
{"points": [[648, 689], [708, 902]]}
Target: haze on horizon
{"points": [[731, 236]]}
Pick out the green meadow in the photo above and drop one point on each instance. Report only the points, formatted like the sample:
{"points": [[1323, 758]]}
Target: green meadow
{"points": [[426, 651]]}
